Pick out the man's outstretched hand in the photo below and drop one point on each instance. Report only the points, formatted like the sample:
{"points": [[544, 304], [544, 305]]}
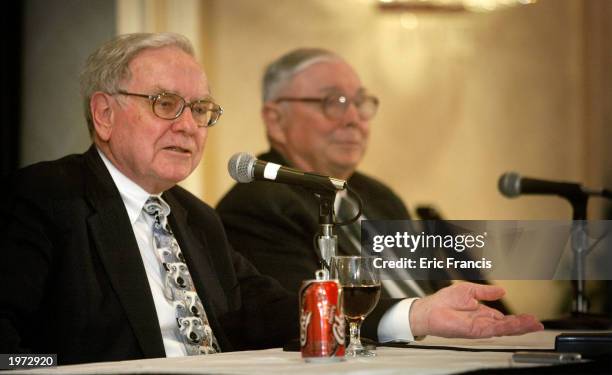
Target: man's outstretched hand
{"points": [[455, 311]]}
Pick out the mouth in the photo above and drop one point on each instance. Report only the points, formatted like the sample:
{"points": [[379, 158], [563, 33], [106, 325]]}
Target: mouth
{"points": [[349, 143], [178, 149]]}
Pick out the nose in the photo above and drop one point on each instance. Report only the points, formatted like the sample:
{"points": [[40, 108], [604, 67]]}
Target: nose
{"points": [[351, 115], [185, 122]]}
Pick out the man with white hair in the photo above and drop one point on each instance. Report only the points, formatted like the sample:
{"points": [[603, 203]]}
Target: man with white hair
{"points": [[105, 258], [317, 118]]}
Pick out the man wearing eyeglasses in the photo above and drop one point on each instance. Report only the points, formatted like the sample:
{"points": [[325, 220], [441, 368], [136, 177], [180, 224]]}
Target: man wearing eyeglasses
{"points": [[316, 114], [103, 256]]}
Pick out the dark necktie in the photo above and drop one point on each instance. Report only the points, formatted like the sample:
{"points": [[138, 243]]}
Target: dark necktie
{"points": [[192, 322], [347, 209]]}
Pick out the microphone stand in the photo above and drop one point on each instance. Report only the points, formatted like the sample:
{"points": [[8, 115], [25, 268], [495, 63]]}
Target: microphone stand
{"points": [[326, 239], [580, 249], [580, 318]]}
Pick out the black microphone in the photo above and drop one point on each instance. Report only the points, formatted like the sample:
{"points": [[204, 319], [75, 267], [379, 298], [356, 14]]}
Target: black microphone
{"points": [[244, 167], [511, 185]]}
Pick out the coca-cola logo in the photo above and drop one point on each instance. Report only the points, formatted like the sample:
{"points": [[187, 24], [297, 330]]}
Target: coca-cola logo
{"points": [[339, 329], [331, 314], [304, 323]]}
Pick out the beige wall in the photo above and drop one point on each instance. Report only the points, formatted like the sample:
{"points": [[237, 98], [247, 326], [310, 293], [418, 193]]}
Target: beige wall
{"points": [[464, 97]]}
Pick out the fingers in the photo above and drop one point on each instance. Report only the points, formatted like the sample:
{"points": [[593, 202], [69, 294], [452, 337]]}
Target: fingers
{"points": [[517, 325], [465, 296], [529, 323], [488, 312], [486, 292], [484, 322]]}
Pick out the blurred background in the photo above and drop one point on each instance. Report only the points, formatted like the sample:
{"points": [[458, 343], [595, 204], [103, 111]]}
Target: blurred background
{"points": [[466, 93]]}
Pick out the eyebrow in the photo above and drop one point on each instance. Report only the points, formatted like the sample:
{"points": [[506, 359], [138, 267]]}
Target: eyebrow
{"points": [[160, 89], [335, 89]]}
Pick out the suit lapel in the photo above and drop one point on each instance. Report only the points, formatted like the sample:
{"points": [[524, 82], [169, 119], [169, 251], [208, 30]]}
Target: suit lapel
{"points": [[115, 242]]}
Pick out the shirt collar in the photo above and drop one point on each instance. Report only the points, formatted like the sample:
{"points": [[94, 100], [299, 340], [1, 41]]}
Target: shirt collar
{"points": [[133, 196]]}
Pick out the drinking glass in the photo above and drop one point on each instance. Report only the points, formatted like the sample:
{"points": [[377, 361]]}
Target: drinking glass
{"points": [[360, 283]]}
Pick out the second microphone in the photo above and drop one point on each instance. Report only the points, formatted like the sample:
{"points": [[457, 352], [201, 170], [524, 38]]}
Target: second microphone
{"points": [[244, 167]]}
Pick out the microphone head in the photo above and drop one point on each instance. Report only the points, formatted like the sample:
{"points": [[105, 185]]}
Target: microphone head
{"points": [[509, 184], [240, 167]]}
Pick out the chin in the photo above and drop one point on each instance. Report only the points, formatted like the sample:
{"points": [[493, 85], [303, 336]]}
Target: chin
{"points": [[174, 177], [349, 160]]}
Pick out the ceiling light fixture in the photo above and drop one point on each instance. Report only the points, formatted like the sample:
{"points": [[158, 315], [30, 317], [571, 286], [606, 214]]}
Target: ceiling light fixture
{"points": [[450, 6]]}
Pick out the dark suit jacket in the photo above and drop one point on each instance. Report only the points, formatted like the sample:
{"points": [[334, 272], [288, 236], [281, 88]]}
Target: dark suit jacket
{"points": [[274, 226], [72, 281]]}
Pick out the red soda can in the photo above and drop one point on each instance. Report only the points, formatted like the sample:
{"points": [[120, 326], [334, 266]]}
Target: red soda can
{"points": [[321, 321]]}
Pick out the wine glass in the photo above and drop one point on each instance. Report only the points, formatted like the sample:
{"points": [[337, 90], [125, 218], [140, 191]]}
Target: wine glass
{"points": [[360, 283]]}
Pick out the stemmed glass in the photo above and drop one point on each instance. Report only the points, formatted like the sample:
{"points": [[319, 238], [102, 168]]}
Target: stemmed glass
{"points": [[360, 283]]}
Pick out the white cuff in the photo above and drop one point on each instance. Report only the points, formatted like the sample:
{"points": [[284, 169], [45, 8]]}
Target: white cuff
{"points": [[395, 323]]}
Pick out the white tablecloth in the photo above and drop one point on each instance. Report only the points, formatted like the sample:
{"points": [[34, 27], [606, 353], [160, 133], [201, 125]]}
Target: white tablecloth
{"points": [[275, 361]]}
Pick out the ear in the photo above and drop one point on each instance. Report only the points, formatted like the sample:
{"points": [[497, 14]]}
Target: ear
{"points": [[273, 118], [102, 114]]}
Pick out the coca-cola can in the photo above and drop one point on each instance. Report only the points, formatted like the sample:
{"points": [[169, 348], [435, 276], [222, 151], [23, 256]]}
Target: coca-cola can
{"points": [[321, 321]]}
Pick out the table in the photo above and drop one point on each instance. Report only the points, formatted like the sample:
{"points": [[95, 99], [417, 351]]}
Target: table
{"points": [[275, 361]]}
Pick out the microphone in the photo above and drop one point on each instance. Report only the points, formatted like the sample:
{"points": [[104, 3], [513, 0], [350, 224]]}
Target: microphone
{"points": [[244, 167], [511, 185]]}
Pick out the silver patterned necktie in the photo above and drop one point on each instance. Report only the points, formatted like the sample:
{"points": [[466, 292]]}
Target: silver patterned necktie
{"points": [[192, 322]]}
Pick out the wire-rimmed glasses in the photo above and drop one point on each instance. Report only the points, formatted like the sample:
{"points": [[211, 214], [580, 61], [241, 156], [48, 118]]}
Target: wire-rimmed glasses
{"points": [[169, 106], [334, 106]]}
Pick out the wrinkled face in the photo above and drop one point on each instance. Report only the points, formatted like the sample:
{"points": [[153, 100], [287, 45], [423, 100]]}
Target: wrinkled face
{"points": [[153, 152], [311, 140]]}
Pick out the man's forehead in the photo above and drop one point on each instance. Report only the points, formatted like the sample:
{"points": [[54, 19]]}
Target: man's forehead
{"points": [[328, 76], [169, 89], [331, 89], [154, 69], [161, 54]]}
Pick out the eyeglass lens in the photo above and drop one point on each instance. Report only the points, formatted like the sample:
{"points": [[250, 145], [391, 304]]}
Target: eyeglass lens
{"points": [[335, 106], [170, 106]]}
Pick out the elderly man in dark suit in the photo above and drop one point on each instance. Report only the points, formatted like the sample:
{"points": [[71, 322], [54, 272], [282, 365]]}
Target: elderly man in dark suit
{"points": [[105, 258], [316, 114]]}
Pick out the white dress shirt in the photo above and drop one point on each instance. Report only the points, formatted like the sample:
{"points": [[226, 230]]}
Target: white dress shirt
{"points": [[134, 198], [394, 325]]}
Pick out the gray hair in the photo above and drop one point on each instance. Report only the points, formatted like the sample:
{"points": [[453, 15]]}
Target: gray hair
{"points": [[280, 71], [107, 67]]}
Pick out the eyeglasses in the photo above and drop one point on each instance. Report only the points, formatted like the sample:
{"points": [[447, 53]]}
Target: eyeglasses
{"points": [[170, 106], [334, 106]]}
